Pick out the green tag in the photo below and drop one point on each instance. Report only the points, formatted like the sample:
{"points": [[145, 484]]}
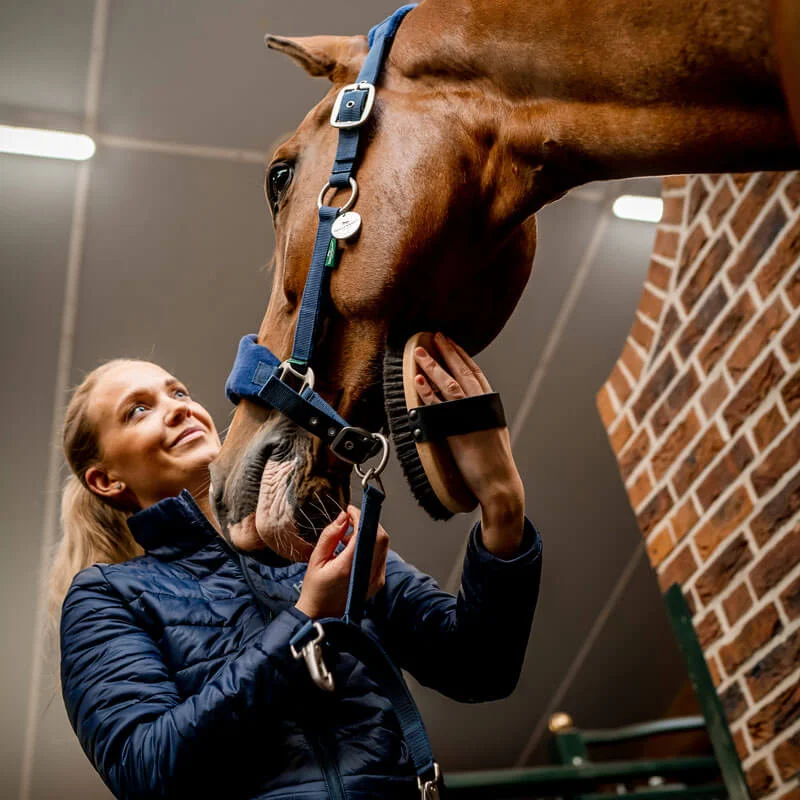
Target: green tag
{"points": [[330, 258]]}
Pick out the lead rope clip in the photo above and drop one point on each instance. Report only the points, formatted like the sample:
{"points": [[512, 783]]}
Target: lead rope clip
{"points": [[312, 653], [429, 790]]}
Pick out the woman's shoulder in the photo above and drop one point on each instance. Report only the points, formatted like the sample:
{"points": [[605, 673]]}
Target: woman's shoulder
{"points": [[107, 578]]}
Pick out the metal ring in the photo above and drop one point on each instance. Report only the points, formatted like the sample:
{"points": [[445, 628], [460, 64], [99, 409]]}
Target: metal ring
{"points": [[374, 472], [350, 200]]}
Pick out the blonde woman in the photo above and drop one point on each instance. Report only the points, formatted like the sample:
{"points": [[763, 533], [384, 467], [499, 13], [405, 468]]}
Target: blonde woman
{"points": [[175, 662]]}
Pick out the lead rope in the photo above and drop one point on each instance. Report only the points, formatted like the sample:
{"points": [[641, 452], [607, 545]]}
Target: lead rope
{"points": [[261, 377]]}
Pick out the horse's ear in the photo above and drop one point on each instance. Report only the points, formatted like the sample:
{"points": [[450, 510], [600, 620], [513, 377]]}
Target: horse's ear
{"points": [[327, 56]]}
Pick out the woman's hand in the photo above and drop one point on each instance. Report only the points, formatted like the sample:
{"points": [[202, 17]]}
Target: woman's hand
{"points": [[327, 579], [484, 458]]}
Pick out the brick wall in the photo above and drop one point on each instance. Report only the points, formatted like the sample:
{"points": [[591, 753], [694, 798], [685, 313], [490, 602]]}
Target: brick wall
{"points": [[703, 412]]}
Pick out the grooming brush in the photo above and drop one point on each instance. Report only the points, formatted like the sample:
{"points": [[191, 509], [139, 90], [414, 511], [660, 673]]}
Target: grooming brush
{"points": [[428, 466]]}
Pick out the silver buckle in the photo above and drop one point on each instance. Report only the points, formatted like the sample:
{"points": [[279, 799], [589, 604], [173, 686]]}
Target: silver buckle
{"points": [[312, 653], [353, 123], [340, 443], [306, 378], [429, 790]]}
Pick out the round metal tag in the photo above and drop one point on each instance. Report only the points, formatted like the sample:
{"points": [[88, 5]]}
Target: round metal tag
{"points": [[346, 225]]}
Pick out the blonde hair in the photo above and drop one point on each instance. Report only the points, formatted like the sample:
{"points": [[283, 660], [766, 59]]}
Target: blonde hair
{"points": [[93, 529]]}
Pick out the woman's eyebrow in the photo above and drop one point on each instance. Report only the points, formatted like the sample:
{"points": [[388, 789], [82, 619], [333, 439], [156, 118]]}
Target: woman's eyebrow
{"points": [[141, 391]]}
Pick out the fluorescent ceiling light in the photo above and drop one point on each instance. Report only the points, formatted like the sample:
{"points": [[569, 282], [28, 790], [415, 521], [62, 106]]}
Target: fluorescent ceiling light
{"points": [[47, 144], [634, 206]]}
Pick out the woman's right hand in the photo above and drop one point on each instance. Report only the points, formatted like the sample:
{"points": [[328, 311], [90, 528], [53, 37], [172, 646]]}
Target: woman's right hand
{"points": [[327, 578]]}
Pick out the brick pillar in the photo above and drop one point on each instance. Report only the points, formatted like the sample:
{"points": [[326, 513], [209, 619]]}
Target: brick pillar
{"points": [[703, 412]]}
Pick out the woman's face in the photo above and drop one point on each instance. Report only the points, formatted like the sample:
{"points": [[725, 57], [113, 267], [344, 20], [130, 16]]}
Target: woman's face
{"points": [[154, 439]]}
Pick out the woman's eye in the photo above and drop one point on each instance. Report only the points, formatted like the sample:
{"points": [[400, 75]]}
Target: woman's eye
{"points": [[181, 393], [278, 179], [135, 410]]}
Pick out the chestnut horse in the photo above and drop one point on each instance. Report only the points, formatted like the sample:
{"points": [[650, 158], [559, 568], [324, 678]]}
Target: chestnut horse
{"points": [[486, 110]]}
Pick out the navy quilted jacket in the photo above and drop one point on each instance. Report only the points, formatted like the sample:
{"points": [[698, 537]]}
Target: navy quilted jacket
{"points": [[179, 682]]}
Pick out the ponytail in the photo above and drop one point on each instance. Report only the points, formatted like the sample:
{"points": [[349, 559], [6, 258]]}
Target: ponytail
{"points": [[93, 532], [93, 529]]}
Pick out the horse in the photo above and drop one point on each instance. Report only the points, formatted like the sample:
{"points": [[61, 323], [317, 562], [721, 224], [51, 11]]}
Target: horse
{"points": [[486, 110]]}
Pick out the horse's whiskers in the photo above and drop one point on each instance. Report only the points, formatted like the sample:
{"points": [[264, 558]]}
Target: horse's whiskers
{"points": [[313, 527], [324, 508], [334, 501]]}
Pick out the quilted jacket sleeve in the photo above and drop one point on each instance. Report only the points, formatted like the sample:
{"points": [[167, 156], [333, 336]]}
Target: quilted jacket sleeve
{"points": [[144, 739], [470, 647]]}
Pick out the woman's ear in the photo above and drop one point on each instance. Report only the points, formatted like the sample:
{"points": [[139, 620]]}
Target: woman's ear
{"points": [[102, 484]]}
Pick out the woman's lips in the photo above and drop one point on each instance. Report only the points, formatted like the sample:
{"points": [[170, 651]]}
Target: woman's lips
{"points": [[190, 434]]}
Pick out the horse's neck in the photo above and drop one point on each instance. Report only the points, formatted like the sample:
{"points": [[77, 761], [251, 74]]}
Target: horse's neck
{"points": [[628, 88], [644, 51]]}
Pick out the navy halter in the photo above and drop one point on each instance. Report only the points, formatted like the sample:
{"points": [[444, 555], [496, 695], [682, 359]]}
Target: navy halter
{"points": [[259, 376]]}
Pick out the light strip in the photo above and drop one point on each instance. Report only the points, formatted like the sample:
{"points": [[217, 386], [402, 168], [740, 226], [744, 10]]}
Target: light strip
{"points": [[642, 209], [45, 143]]}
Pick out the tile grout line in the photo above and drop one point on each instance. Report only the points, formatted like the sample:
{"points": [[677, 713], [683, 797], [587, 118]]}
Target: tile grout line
{"points": [[235, 154], [65, 351], [553, 340]]}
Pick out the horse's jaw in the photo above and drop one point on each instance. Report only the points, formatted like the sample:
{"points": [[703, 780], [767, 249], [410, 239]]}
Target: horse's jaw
{"points": [[269, 491]]}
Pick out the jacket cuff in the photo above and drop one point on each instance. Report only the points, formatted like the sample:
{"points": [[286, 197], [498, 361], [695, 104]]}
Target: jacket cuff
{"points": [[275, 641], [530, 549]]}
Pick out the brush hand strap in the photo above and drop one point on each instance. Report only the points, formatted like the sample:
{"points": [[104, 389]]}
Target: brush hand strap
{"points": [[454, 417]]}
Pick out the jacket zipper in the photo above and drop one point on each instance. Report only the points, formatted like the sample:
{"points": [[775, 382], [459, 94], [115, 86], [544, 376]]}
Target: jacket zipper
{"points": [[330, 771], [266, 613]]}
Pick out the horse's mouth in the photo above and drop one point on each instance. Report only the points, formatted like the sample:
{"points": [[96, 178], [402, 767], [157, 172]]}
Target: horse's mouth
{"points": [[280, 505]]}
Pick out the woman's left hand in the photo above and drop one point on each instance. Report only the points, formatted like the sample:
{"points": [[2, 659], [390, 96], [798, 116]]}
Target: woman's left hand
{"points": [[484, 458]]}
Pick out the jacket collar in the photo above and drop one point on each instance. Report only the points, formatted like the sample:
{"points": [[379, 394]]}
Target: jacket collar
{"points": [[172, 527]]}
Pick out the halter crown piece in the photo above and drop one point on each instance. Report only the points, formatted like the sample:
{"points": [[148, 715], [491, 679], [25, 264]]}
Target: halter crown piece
{"points": [[259, 376]]}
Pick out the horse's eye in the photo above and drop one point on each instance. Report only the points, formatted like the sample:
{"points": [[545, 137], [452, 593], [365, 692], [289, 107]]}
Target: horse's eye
{"points": [[278, 179]]}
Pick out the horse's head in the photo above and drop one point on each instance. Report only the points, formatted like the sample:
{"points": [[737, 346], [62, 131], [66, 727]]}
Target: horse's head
{"points": [[440, 249]]}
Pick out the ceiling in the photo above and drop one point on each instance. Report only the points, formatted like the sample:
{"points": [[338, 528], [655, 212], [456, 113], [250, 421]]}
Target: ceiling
{"points": [[156, 249]]}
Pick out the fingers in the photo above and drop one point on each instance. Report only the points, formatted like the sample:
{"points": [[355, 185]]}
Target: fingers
{"points": [[476, 370], [329, 539], [462, 377], [377, 578], [464, 370], [448, 386], [425, 391]]}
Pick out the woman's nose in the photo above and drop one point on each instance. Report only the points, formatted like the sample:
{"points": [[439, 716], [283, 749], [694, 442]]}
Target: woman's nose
{"points": [[177, 412]]}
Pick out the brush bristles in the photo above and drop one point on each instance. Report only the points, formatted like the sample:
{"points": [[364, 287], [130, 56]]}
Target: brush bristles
{"points": [[404, 444]]}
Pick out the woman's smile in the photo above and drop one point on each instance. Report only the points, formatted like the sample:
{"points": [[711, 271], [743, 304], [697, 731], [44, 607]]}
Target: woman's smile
{"points": [[189, 434]]}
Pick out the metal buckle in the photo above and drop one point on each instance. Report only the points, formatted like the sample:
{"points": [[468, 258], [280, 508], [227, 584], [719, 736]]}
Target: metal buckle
{"points": [[312, 653], [363, 86], [306, 378], [348, 439], [374, 473], [429, 790], [350, 200]]}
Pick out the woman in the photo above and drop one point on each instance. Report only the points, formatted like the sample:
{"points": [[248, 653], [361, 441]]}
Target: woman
{"points": [[176, 667]]}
